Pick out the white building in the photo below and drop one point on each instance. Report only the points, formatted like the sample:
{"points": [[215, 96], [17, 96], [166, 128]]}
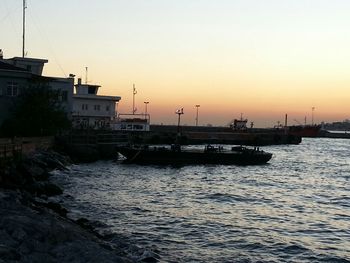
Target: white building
{"points": [[91, 110]]}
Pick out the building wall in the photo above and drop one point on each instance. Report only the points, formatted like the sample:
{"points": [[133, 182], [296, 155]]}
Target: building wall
{"points": [[66, 86], [7, 79], [21, 80], [93, 107], [93, 112]]}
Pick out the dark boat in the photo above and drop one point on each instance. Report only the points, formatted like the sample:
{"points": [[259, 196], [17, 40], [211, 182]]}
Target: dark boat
{"points": [[175, 155], [305, 130]]}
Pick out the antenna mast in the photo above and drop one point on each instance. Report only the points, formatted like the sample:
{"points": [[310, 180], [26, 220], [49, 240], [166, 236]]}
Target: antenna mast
{"points": [[86, 75], [24, 27], [134, 92]]}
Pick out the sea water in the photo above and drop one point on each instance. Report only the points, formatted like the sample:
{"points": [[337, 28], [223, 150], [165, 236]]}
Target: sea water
{"points": [[294, 209]]}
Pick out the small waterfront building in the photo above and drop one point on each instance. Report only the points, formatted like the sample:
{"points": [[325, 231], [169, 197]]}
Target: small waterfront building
{"points": [[91, 110]]}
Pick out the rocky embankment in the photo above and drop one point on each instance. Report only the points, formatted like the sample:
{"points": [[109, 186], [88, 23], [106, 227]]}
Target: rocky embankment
{"points": [[35, 229]]}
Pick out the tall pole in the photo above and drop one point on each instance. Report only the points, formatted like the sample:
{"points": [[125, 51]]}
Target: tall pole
{"points": [[86, 75], [286, 120], [312, 115], [286, 123], [197, 106], [179, 113], [24, 28], [134, 92], [146, 102]]}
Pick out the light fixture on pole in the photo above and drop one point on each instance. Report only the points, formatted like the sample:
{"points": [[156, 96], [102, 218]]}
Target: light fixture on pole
{"points": [[146, 103], [179, 113], [197, 106]]}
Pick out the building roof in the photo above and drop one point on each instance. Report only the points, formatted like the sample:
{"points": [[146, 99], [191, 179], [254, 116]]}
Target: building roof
{"points": [[6, 66], [26, 59], [46, 78], [87, 85], [96, 97]]}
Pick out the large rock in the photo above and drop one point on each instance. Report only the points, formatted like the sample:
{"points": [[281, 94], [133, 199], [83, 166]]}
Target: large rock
{"points": [[25, 173], [44, 188], [8, 253], [33, 172], [12, 178], [28, 235]]}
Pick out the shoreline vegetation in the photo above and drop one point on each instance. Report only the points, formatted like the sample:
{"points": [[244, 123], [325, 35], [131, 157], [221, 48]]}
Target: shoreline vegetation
{"points": [[34, 226]]}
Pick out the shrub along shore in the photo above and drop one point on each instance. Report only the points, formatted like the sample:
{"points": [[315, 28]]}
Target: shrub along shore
{"points": [[35, 229]]}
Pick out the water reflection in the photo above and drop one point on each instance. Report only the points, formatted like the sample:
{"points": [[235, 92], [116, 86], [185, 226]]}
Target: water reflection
{"points": [[294, 209]]}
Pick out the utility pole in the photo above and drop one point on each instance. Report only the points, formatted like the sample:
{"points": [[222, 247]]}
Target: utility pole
{"points": [[146, 102], [134, 92], [286, 124], [197, 106], [179, 113], [24, 28], [312, 115], [86, 75]]}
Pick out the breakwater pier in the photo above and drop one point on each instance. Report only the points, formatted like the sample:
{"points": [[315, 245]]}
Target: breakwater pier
{"points": [[226, 135], [168, 134], [92, 145]]}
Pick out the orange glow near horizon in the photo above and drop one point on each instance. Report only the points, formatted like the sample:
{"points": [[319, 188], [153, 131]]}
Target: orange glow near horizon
{"points": [[264, 103]]}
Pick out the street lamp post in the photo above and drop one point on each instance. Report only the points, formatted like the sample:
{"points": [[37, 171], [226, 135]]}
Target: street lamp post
{"points": [[197, 106], [146, 103], [312, 116], [179, 113]]}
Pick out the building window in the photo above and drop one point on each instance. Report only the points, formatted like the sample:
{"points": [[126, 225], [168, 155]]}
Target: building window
{"points": [[91, 90], [97, 107], [107, 108], [84, 107], [12, 89]]}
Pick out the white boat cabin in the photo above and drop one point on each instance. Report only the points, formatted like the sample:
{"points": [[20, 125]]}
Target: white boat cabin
{"points": [[132, 122]]}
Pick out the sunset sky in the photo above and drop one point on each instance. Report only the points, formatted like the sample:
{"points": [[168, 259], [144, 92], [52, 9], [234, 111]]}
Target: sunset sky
{"points": [[262, 58]]}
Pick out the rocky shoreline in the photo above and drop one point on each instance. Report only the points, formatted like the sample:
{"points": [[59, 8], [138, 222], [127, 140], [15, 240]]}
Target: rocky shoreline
{"points": [[33, 228]]}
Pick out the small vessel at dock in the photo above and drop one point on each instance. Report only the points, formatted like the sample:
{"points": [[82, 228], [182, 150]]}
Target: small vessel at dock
{"points": [[305, 130], [175, 155]]}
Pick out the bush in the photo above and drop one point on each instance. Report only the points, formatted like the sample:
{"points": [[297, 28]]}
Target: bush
{"points": [[36, 112]]}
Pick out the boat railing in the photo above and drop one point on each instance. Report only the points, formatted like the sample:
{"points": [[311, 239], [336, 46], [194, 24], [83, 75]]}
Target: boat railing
{"points": [[210, 148]]}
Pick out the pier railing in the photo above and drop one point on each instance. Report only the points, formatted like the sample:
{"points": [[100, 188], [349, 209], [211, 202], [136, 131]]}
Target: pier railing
{"points": [[98, 138], [10, 150], [15, 148]]}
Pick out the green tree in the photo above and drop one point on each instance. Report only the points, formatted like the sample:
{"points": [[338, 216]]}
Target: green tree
{"points": [[37, 111]]}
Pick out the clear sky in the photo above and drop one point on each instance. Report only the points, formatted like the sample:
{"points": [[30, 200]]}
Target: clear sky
{"points": [[262, 58]]}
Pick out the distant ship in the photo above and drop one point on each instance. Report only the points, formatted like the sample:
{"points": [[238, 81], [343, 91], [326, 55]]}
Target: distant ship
{"points": [[305, 130]]}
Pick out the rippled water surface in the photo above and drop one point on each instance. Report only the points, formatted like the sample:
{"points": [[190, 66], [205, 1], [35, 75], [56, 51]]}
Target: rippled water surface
{"points": [[295, 209]]}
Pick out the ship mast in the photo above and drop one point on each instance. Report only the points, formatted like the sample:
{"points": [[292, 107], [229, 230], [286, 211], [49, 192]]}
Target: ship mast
{"points": [[24, 27]]}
